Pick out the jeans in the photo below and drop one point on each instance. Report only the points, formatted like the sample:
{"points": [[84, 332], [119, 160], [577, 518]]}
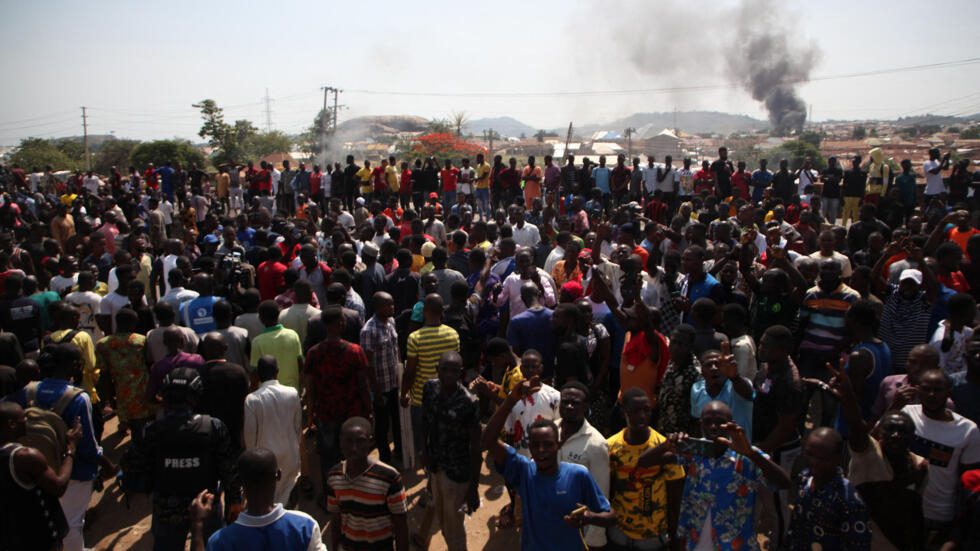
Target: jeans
{"points": [[831, 209], [448, 200], [385, 418], [328, 447], [483, 203]]}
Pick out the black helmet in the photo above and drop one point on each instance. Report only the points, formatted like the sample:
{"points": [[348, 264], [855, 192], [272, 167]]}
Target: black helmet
{"points": [[183, 385]]}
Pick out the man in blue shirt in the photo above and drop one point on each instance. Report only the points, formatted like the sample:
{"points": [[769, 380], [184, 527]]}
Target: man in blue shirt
{"points": [[166, 174], [601, 176], [557, 498], [198, 314], [63, 363], [760, 180], [264, 524]]}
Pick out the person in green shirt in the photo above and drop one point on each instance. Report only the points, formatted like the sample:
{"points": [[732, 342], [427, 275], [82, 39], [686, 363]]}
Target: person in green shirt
{"points": [[281, 343], [43, 298]]}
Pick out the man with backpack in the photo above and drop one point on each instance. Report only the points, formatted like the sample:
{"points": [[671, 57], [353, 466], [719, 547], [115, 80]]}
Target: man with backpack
{"points": [[30, 486], [60, 364], [181, 454], [64, 319]]}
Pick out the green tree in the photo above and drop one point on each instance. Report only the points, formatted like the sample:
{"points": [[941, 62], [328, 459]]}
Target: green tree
{"points": [[439, 126], [813, 138], [539, 135], [266, 143], [795, 151], [38, 152], [859, 133], [230, 141], [113, 153], [160, 151], [971, 133]]}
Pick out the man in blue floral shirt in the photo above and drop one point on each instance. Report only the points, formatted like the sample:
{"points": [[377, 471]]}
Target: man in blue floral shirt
{"points": [[826, 509], [721, 483]]}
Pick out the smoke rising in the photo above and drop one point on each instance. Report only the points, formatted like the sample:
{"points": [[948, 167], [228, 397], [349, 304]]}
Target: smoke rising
{"points": [[756, 44]]}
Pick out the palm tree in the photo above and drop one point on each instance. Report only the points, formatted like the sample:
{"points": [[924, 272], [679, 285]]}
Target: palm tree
{"points": [[459, 120]]}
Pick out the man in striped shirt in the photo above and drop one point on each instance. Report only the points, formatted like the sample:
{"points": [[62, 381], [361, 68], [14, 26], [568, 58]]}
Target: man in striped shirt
{"points": [[365, 497], [823, 329], [425, 347]]}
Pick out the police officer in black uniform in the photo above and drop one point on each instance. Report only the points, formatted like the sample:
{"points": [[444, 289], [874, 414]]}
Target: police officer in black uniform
{"points": [[180, 455]]}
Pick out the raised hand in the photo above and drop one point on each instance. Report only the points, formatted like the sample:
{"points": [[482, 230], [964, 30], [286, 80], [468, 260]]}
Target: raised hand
{"points": [[736, 440], [727, 364]]}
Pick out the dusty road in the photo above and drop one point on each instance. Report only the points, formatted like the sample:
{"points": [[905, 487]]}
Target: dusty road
{"points": [[116, 526]]}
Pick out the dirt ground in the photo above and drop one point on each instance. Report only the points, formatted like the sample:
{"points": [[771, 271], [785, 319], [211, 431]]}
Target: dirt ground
{"points": [[116, 525]]}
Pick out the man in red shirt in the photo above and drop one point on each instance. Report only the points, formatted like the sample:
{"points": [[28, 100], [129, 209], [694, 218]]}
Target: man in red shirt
{"points": [[378, 180], [704, 179], [150, 177], [337, 385], [315, 185], [263, 180], [740, 182], [449, 176], [509, 180], [270, 274]]}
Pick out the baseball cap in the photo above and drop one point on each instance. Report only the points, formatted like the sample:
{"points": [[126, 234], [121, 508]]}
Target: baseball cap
{"points": [[911, 273], [427, 248], [573, 289]]}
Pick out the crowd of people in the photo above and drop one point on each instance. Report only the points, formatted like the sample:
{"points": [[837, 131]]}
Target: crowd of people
{"points": [[646, 356]]}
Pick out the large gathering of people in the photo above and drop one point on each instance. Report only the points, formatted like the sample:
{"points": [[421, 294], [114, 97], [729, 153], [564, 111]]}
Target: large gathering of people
{"points": [[643, 356]]}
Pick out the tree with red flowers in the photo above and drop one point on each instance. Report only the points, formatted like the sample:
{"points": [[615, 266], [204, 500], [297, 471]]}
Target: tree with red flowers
{"points": [[445, 145]]}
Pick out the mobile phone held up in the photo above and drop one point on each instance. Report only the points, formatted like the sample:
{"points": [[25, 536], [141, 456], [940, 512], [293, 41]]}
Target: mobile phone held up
{"points": [[700, 446]]}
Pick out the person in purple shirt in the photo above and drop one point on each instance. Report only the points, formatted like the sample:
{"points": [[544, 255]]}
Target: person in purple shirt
{"points": [[173, 340]]}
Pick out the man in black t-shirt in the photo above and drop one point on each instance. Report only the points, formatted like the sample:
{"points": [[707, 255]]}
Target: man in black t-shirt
{"points": [[783, 186], [723, 170], [855, 180], [831, 178]]}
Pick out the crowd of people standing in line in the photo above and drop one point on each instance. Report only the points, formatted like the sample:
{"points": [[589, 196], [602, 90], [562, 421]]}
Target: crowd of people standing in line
{"points": [[649, 356]]}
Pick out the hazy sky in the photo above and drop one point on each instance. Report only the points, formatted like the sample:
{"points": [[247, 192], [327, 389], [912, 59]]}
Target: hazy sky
{"points": [[139, 65]]}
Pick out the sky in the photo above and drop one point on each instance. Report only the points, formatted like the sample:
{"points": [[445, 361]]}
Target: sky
{"points": [[138, 66]]}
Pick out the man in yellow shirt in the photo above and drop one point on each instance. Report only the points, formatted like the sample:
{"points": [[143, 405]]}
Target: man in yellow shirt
{"points": [[364, 180], [483, 171], [391, 175], [646, 498]]}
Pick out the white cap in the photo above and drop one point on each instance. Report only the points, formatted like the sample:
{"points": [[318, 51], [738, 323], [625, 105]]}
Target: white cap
{"points": [[911, 273], [359, 201]]}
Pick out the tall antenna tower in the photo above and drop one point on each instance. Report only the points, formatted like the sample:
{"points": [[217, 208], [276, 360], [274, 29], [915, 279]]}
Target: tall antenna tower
{"points": [[268, 111]]}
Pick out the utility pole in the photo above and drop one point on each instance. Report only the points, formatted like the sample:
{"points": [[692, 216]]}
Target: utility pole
{"points": [[268, 111], [88, 161], [629, 144], [490, 148], [674, 129]]}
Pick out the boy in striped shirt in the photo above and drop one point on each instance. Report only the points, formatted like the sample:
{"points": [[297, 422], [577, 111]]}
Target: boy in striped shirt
{"points": [[365, 497]]}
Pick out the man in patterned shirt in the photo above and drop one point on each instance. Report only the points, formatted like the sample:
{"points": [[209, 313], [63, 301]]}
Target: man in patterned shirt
{"points": [[380, 343], [646, 498], [450, 430]]}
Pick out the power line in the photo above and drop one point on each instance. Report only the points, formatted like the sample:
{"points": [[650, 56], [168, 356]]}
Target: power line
{"points": [[670, 89]]}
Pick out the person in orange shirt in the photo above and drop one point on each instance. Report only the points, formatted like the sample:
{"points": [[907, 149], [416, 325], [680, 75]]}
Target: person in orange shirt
{"points": [[532, 176]]}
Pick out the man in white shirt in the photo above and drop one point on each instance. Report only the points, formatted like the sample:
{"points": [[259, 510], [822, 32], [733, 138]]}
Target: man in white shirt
{"points": [[826, 251], [178, 294], [525, 234], [684, 180], [91, 182], [951, 444], [276, 177], [583, 445], [87, 302], [933, 170], [558, 252], [273, 420], [297, 317], [524, 271]]}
